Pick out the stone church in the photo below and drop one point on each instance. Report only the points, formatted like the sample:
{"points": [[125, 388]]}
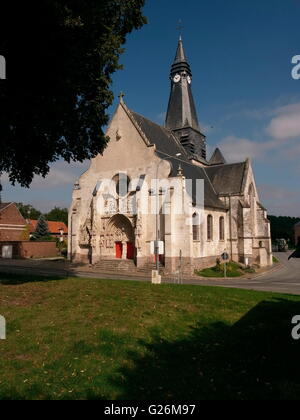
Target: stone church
{"points": [[125, 206]]}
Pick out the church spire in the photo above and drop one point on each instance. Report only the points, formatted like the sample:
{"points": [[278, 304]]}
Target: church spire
{"points": [[180, 55], [181, 115]]}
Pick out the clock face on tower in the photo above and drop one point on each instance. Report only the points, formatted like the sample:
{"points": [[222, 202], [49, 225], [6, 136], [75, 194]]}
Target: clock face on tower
{"points": [[189, 79], [176, 78]]}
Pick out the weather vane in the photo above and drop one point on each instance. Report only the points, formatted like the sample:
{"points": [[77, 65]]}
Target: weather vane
{"points": [[180, 27]]}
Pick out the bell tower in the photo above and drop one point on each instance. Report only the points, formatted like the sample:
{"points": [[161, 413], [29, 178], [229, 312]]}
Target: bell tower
{"points": [[181, 115]]}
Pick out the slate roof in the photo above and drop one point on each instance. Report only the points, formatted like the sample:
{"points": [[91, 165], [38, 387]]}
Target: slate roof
{"points": [[168, 144], [218, 179], [217, 158], [228, 178], [194, 172], [162, 137]]}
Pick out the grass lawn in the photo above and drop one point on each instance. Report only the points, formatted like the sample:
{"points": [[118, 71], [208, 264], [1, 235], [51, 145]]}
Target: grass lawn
{"points": [[106, 339], [232, 270]]}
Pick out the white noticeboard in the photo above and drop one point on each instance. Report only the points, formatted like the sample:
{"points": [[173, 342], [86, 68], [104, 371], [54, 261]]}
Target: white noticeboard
{"points": [[7, 251], [2, 328], [161, 247]]}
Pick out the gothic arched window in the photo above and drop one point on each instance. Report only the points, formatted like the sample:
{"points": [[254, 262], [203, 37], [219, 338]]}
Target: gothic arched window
{"points": [[196, 227], [209, 227], [122, 182], [222, 228]]}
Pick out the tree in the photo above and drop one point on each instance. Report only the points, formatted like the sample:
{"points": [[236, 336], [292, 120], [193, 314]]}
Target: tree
{"points": [[60, 57], [58, 215], [28, 211], [42, 231], [282, 227]]}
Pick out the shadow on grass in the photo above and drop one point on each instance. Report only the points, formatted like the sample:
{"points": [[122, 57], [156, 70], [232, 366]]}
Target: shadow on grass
{"points": [[9, 279], [254, 359]]}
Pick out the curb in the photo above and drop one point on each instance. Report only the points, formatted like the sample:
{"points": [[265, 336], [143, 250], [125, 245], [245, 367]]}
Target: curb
{"points": [[271, 270], [113, 275]]}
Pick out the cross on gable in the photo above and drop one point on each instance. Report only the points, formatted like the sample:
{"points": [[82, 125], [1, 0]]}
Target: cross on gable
{"points": [[121, 96]]}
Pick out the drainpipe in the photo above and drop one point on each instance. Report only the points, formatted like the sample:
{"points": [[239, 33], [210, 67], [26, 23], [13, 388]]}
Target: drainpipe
{"points": [[230, 227], [71, 237]]}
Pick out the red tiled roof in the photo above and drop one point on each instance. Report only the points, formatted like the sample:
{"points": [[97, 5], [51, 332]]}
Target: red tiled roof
{"points": [[4, 205], [54, 227]]}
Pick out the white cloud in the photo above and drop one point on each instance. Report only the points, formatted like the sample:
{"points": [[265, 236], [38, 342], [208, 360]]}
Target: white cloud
{"points": [[280, 201], [237, 149], [61, 174], [239, 111], [284, 133], [286, 125]]}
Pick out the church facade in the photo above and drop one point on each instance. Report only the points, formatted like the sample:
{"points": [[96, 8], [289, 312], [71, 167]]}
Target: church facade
{"points": [[154, 186]]}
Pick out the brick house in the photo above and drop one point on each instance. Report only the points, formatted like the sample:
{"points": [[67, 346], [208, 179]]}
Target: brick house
{"points": [[14, 235], [12, 223], [56, 229], [12, 230]]}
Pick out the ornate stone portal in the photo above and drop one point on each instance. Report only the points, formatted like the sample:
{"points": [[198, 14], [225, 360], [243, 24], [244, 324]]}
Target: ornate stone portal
{"points": [[119, 239]]}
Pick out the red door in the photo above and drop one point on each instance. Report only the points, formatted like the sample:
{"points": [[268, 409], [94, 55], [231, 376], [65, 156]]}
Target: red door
{"points": [[130, 251], [119, 250]]}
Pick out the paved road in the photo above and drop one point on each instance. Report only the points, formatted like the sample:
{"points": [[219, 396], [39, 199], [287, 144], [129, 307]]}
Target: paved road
{"points": [[284, 278]]}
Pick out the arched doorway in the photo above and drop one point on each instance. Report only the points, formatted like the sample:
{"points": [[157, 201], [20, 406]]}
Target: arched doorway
{"points": [[122, 233]]}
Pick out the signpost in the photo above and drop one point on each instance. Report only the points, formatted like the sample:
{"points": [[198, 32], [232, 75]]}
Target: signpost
{"points": [[157, 248], [225, 258]]}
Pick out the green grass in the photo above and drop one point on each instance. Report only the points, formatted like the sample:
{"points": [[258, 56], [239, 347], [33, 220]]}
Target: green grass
{"points": [[275, 260], [232, 270], [106, 339]]}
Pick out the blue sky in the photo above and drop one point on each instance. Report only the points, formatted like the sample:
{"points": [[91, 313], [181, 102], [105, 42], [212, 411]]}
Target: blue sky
{"points": [[248, 104]]}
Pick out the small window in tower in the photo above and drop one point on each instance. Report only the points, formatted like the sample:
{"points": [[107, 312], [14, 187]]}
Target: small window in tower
{"points": [[184, 140], [192, 148]]}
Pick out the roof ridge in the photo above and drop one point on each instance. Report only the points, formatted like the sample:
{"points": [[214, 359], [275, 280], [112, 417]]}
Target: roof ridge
{"points": [[152, 122], [136, 124], [209, 180], [5, 205], [226, 164], [164, 129]]}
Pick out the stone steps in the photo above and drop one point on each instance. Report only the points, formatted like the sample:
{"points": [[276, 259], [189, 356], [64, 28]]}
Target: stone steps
{"points": [[116, 265], [124, 266]]}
